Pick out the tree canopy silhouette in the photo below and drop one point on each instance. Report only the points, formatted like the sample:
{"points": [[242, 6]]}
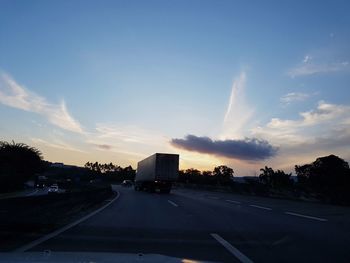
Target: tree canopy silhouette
{"points": [[220, 175], [275, 179], [325, 173], [111, 172], [223, 173], [18, 163]]}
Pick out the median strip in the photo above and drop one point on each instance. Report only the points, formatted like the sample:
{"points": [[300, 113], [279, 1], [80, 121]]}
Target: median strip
{"points": [[65, 228], [174, 204], [238, 254], [261, 207], [306, 216]]}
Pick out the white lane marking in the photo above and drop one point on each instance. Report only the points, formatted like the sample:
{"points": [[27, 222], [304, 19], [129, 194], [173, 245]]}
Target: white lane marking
{"points": [[232, 201], [61, 230], [305, 216], [33, 193], [171, 202], [238, 254], [261, 207]]}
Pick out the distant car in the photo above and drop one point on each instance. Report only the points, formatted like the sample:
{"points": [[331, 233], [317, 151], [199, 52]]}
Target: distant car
{"points": [[54, 189], [127, 183], [40, 185]]}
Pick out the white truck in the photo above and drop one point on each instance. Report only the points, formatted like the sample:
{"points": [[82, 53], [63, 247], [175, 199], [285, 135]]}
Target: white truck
{"points": [[157, 173]]}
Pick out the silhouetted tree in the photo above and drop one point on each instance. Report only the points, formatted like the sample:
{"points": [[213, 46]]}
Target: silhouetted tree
{"points": [[275, 179], [325, 174], [303, 173], [111, 172], [182, 177], [18, 163], [223, 174], [266, 175], [193, 175], [208, 178], [129, 173]]}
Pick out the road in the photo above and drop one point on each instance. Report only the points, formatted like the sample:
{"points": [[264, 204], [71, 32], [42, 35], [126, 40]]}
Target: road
{"points": [[212, 226], [43, 191]]}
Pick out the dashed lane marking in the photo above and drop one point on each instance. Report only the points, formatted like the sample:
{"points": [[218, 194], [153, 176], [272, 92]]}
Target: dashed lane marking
{"points": [[306, 216], [238, 254], [174, 204]]}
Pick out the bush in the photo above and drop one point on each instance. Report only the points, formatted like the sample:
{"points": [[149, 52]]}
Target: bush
{"points": [[18, 163]]}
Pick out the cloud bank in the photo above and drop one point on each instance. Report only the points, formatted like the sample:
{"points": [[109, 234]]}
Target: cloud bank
{"points": [[16, 96], [325, 129], [247, 149]]}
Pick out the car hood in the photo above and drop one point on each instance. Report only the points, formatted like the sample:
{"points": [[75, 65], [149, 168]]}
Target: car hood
{"points": [[73, 257]]}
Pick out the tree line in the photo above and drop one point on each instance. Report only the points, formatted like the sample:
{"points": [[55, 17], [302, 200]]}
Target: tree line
{"points": [[110, 171], [221, 175], [327, 176]]}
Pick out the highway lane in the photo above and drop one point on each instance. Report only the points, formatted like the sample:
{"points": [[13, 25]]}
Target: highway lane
{"points": [[140, 222], [272, 230], [189, 224]]}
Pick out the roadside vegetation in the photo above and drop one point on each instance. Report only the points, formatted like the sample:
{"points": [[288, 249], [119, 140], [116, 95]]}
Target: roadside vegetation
{"points": [[326, 179], [24, 218], [220, 176], [110, 172], [18, 163]]}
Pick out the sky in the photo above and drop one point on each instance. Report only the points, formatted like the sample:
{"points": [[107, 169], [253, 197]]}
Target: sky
{"points": [[239, 83]]}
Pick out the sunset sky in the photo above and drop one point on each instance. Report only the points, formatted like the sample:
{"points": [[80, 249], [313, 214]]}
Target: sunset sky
{"points": [[240, 83]]}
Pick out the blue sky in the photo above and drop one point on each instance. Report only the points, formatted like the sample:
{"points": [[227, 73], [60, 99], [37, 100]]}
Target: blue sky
{"points": [[118, 80]]}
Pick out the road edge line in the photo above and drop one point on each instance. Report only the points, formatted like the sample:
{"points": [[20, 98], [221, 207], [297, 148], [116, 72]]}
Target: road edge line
{"points": [[62, 229], [238, 254]]}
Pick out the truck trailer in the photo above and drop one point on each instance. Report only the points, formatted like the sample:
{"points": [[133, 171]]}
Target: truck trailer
{"points": [[157, 172]]}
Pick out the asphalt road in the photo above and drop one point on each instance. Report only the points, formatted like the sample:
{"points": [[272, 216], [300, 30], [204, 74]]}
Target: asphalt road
{"points": [[212, 226], [39, 191]]}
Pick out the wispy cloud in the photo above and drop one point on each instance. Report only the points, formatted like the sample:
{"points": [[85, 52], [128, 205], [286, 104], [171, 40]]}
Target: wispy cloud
{"points": [[131, 140], [247, 149], [56, 144], [307, 58], [127, 134], [238, 113], [17, 96], [309, 67], [293, 97], [237, 117]]}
